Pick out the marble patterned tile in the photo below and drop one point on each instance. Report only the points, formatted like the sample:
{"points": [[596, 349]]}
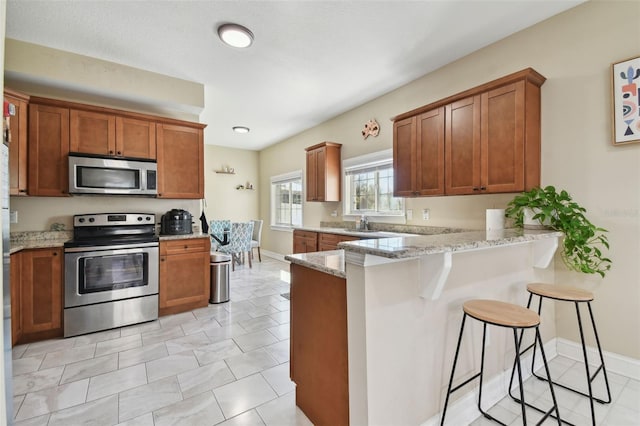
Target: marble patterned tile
{"points": [[117, 345], [101, 336], [282, 306], [18, 351], [53, 399], [27, 365], [250, 341], [194, 327], [225, 332], [36, 381], [250, 363], [260, 323], [283, 411], [34, 421], [205, 378], [217, 351], [229, 318], [262, 311], [281, 317], [88, 368], [208, 312], [248, 418], [143, 354], [143, 420], [177, 319], [278, 378], [280, 350], [187, 343], [116, 381], [171, 365], [281, 332], [68, 356], [17, 402], [102, 412], [140, 328], [201, 410], [266, 300], [46, 346], [149, 397], [243, 395], [161, 334]]}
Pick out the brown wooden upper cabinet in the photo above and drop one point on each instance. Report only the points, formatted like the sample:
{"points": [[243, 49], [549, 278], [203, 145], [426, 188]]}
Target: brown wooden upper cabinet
{"points": [[108, 134], [490, 135], [323, 172], [48, 150], [418, 155], [18, 171], [180, 161]]}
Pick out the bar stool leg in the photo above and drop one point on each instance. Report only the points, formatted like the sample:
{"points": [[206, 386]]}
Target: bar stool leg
{"points": [[602, 367], [453, 370], [517, 346]]}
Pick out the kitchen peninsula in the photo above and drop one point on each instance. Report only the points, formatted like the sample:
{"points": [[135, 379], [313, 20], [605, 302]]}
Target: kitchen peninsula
{"points": [[400, 312]]}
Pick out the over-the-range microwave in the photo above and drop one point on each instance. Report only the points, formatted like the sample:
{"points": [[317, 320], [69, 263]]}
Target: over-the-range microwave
{"points": [[98, 175]]}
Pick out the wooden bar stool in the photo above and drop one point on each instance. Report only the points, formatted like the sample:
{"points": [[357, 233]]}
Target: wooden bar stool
{"points": [[508, 315], [570, 294]]}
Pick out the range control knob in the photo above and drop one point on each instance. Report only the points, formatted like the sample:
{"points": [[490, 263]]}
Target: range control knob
{"points": [[139, 218], [148, 218], [92, 219], [81, 220]]}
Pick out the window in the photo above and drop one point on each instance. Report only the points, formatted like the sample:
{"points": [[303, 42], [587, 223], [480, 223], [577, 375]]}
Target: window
{"points": [[286, 200], [369, 186]]}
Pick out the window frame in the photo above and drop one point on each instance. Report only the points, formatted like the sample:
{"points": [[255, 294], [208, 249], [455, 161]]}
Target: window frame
{"points": [[363, 162], [280, 179]]}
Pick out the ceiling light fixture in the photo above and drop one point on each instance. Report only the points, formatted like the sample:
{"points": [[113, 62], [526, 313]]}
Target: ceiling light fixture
{"points": [[240, 129], [235, 35]]}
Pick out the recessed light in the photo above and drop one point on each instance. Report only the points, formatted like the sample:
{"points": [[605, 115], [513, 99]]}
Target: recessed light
{"points": [[240, 129], [235, 35]]}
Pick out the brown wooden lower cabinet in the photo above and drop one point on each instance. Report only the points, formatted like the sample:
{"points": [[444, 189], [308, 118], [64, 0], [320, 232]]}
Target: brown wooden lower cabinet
{"points": [[184, 275], [15, 268], [41, 294], [318, 346], [304, 241], [330, 241]]}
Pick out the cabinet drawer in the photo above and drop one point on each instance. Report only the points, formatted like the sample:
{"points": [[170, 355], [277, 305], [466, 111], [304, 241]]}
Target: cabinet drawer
{"points": [[330, 241], [305, 234], [192, 245]]}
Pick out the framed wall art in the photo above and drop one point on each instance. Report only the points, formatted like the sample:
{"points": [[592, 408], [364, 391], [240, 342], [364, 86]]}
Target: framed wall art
{"points": [[626, 101]]}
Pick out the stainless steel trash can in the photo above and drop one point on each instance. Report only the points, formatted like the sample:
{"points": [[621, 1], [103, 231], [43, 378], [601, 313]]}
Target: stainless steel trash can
{"points": [[219, 264]]}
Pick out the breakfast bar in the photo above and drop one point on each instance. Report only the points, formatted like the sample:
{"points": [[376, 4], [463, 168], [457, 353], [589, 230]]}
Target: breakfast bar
{"points": [[403, 310]]}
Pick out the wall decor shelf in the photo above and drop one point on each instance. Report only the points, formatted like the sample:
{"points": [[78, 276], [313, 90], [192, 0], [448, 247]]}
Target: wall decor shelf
{"points": [[223, 172]]}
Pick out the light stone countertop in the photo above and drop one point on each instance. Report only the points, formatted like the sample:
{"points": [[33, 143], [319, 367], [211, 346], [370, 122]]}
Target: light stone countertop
{"points": [[355, 233], [404, 247], [330, 262], [197, 234]]}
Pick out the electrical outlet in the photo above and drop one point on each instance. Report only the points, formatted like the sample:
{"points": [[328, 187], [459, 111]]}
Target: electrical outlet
{"points": [[13, 216], [425, 214], [334, 213], [409, 214]]}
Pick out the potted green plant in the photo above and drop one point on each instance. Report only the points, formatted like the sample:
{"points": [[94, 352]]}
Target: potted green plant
{"points": [[583, 241]]}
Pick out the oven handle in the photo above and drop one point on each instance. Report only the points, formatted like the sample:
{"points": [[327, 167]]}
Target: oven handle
{"points": [[113, 247]]}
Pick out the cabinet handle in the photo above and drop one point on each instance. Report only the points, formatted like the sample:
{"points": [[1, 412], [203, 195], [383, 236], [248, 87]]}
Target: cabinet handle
{"points": [[186, 247], [483, 188], [110, 152], [162, 259], [475, 188], [119, 153], [55, 253], [23, 191]]}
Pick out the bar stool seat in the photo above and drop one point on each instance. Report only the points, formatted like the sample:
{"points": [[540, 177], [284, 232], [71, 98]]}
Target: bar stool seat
{"points": [[501, 314], [576, 296]]}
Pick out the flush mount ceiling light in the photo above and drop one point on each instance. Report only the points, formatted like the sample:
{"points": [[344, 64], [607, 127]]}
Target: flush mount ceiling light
{"points": [[240, 129], [235, 35]]}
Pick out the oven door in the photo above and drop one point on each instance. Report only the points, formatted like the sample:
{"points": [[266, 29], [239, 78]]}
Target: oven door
{"points": [[104, 274]]}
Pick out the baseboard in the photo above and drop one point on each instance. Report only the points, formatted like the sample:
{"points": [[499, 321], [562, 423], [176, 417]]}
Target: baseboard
{"points": [[465, 410], [273, 255], [615, 363]]}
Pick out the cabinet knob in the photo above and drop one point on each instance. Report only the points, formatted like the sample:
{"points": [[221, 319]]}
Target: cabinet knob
{"points": [[186, 247], [475, 188], [119, 153], [110, 152], [23, 191], [483, 188], [55, 253]]}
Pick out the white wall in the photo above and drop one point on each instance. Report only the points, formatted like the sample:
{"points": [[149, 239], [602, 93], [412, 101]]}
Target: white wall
{"points": [[574, 51]]}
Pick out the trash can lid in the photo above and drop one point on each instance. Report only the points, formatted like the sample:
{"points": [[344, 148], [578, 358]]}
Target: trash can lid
{"points": [[219, 257]]}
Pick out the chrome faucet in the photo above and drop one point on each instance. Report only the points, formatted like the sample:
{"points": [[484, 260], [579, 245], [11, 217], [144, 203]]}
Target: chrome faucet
{"points": [[364, 223]]}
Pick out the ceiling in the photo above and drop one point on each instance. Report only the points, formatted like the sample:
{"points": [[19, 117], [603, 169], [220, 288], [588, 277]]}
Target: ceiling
{"points": [[310, 61]]}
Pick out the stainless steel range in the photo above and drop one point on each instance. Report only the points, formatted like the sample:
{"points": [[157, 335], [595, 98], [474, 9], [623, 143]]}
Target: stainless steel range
{"points": [[111, 272]]}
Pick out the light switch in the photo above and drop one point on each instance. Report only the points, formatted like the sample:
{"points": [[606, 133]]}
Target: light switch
{"points": [[425, 214], [13, 216], [409, 214]]}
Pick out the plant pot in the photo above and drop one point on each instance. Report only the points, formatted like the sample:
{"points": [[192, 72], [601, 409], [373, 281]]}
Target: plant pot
{"points": [[528, 222]]}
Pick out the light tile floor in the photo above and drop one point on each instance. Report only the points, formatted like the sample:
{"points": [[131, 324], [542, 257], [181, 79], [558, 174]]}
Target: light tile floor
{"points": [[226, 364]]}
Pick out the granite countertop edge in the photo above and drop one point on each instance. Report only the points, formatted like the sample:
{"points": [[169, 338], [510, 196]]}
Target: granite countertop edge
{"points": [[330, 262], [406, 247]]}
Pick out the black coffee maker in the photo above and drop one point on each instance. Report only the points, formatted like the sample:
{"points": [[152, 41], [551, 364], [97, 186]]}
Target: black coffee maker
{"points": [[176, 222]]}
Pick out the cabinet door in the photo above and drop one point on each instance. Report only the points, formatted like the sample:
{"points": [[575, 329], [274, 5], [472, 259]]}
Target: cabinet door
{"points": [[305, 241], [462, 147], [180, 152], [48, 150], [321, 174], [92, 132], [502, 147], [135, 138], [312, 175], [430, 153], [42, 292], [18, 147], [404, 157], [184, 282], [16, 297]]}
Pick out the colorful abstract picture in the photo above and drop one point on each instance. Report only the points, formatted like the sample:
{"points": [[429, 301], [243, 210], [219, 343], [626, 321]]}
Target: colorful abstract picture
{"points": [[626, 101]]}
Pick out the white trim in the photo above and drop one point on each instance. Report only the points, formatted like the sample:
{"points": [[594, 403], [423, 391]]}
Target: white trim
{"points": [[286, 176], [367, 158], [615, 363], [282, 228], [274, 255]]}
